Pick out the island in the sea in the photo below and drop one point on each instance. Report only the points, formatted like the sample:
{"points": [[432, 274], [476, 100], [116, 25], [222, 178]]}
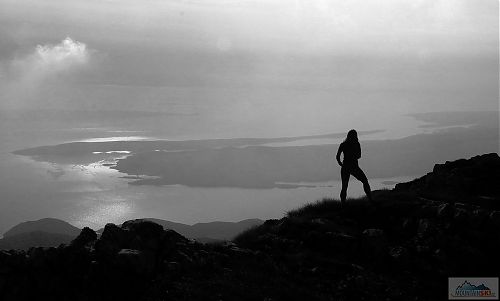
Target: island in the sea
{"points": [[286, 162]]}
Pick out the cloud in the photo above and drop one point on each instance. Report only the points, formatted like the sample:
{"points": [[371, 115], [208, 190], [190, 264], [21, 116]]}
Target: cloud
{"points": [[26, 79], [51, 59], [64, 54]]}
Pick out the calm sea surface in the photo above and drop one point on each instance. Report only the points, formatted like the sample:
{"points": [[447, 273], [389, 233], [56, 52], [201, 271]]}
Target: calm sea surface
{"points": [[92, 195]]}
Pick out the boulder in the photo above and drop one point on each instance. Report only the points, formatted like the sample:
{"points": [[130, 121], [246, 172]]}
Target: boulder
{"points": [[172, 240], [478, 218], [40, 257], [374, 242], [135, 261], [146, 235], [143, 228], [495, 218], [342, 242], [426, 227], [85, 237], [6, 262], [409, 226], [183, 258], [400, 256], [373, 232], [427, 211], [114, 234], [460, 216], [112, 239], [445, 210]]}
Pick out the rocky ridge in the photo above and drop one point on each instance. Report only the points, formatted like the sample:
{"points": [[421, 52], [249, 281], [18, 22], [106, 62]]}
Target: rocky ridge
{"points": [[473, 180]]}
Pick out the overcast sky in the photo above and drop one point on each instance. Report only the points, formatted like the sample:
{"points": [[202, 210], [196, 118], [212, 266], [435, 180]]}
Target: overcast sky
{"points": [[158, 54], [231, 68]]}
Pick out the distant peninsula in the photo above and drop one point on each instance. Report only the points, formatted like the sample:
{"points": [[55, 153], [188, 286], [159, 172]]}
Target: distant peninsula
{"points": [[257, 163]]}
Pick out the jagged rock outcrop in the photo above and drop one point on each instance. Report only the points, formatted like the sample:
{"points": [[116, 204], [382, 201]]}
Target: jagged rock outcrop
{"points": [[86, 237], [473, 180]]}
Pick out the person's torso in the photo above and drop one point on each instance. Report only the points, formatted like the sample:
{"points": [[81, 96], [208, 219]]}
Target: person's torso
{"points": [[351, 152]]}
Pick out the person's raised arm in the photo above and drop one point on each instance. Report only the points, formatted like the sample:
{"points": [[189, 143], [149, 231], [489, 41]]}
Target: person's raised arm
{"points": [[339, 151]]}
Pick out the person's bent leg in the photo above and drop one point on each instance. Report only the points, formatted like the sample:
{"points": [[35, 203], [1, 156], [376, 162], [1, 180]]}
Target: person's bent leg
{"points": [[368, 191], [360, 175], [344, 174]]}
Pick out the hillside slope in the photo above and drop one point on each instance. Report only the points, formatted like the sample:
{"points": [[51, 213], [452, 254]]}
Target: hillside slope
{"points": [[405, 248]]}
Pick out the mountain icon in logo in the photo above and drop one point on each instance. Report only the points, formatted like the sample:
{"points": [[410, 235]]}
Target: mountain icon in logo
{"points": [[467, 286], [473, 288]]}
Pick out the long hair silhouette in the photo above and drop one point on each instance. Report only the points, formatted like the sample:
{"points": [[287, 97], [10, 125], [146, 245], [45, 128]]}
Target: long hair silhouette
{"points": [[351, 151], [352, 136]]}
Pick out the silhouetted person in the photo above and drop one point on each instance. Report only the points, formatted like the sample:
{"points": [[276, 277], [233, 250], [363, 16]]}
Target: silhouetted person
{"points": [[352, 152]]}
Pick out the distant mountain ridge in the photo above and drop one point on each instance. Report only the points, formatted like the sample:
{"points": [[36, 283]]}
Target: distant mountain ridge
{"points": [[51, 232], [48, 225], [207, 231], [210, 230]]}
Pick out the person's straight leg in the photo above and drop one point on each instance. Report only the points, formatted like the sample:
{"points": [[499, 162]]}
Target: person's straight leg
{"points": [[360, 176], [344, 174]]}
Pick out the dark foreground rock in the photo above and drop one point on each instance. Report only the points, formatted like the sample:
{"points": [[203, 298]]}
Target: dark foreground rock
{"points": [[473, 180], [405, 248]]}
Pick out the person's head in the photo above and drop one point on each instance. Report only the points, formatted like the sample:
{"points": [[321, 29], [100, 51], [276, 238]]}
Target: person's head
{"points": [[352, 136]]}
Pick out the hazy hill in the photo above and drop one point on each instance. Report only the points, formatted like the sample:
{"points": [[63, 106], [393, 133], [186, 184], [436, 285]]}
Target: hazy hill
{"points": [[404, 248], [48, 225], [51, 232], [26, 240], [45, 232], [210, 231]]}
